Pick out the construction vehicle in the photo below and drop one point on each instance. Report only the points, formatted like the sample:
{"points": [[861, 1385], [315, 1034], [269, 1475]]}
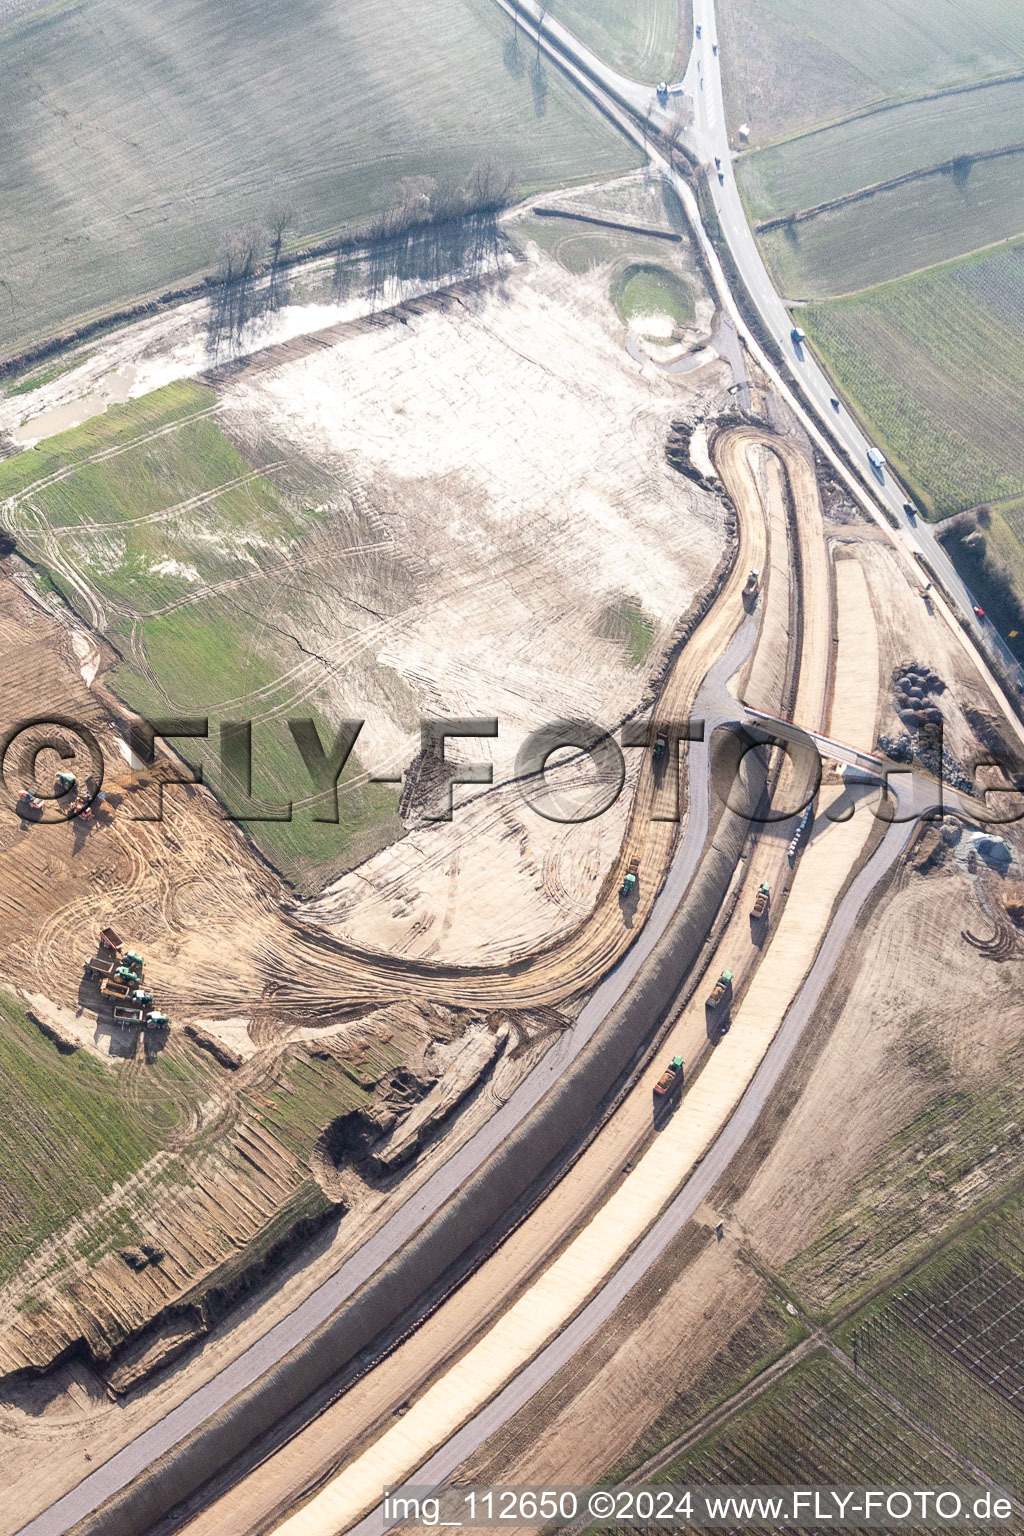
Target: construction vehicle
{"points": [[101, 964], [753, 582], [671, 1078], [111, 986], [64, 783], [761, 901], [721, 990], [29, 804], [798, 835], [660, 747], [629, 883]]}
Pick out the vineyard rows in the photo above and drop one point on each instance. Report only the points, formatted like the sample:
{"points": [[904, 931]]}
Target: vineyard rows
{"points": [[819, 1425], [933, 364]]}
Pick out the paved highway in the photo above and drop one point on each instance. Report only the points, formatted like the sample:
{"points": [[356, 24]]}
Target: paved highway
{"points": [[125, 1465], [709, 138], [714, 705], [691, 1196]]}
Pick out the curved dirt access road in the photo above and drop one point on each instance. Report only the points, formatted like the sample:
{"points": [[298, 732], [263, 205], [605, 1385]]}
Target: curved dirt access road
{"points": [[715, 633], [708, 1109], [606, 88], [762, 489], [298, 969], [318, 973]]}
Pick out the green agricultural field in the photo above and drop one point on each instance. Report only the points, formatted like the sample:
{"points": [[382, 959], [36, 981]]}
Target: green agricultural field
{"points": [[647, 289], [878, 146], [68, 1137], [76, 1130], [580, 247], [196, 565], [790, 64], [646, 40], [965, 1131], [817, 1425], [898, 231], [137, 136], [768, 1333], [935, 367]]}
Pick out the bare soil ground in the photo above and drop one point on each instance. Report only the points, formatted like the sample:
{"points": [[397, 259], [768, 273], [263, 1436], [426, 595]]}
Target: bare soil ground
{"points": [[261, 1073], [350, 1425], [912, 1033], [845, 1176]]}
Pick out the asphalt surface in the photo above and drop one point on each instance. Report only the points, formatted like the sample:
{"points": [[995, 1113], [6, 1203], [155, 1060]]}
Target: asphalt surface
{"points": [[691, 1196], [715, 706], [709, 138]]}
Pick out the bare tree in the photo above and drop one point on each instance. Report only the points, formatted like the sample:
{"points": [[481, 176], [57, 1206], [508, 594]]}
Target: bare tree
{"points": [[281, 220], [234, 301]]}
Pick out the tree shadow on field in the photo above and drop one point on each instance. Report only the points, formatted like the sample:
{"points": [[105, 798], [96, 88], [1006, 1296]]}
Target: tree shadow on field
{"points": [[960, 169], [430, 253], [512, 54], [539, 86]]}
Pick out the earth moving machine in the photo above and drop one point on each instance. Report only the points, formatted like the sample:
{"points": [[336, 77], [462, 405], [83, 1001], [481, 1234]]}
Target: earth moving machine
{"points": [[629, 882], [113, 986], [99, 966], [671, 1079], [29, 804], [721, 991], [660, 747], [753, 583], [762, 901], [64, 784], [106, 958]]}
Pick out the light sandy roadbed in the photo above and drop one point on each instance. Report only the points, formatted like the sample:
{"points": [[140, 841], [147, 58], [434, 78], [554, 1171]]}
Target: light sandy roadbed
{"points": [[549, 1304]]}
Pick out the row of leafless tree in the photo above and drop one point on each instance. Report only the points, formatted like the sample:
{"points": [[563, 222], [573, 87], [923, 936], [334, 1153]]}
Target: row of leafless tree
{"points": [[437, 227], [250, 281]]}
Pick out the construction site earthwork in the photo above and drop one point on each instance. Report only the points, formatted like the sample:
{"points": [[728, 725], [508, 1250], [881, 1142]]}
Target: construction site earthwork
{"points": [[374, 1108]]}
